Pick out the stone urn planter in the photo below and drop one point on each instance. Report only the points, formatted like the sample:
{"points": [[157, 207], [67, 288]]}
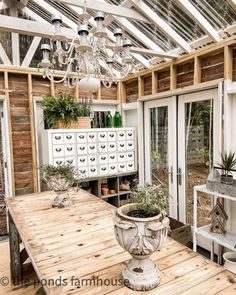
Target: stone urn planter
{"points": [[230, 261], [140, 237], [60, 186]]}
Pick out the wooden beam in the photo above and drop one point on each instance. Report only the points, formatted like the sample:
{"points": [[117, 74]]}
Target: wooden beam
{"points": [[107, 8], [191, 10], [154, 82], [31, 51], [15, 41], [232, 3], [228, 62], [5, 59], [197, 70], [162, 25], [140, 87], [153, 52], [173, 77]]}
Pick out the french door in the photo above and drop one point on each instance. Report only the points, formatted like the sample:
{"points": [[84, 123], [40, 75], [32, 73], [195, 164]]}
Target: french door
{"points": [[182, 141]]}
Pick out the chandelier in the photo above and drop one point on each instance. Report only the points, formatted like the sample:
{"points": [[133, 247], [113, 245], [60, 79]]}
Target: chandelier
{"points": [[89, 58]]}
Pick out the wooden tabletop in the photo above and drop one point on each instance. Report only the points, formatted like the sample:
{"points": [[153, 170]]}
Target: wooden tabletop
{"points": [[68, 245]]}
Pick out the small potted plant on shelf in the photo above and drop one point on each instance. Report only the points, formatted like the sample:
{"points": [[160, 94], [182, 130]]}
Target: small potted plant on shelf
{"points": [[61, 111], [228, 163], [60, 179], [141, 228], [84, 107]]}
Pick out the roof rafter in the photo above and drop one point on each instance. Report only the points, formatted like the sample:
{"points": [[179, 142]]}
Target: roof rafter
{"points": [[163, 25], [107, 8], [5, 59], [192, 11], [232, 3], [31, 51]]}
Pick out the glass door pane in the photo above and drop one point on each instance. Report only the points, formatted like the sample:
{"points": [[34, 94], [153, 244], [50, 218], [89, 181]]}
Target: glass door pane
{"points": [[198, 154], [159, 145]]}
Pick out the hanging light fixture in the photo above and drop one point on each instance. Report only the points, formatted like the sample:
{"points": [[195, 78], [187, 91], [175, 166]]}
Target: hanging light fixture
{"points": [[90, 57]]}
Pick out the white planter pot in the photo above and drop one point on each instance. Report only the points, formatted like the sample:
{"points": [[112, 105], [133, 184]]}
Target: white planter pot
{"points": [[230, 261], [140, 237]]}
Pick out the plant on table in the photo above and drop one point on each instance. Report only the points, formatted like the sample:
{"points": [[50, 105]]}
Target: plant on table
{"points": [[61, 111], [60, 179], [141, 228], [228, 162]]}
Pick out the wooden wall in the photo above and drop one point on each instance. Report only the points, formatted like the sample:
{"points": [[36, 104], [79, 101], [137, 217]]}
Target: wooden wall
{"points": [[20, 88]]}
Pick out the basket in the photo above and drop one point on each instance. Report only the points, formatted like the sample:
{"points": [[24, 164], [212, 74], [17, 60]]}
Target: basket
{"points": [[179, 231], [84, 122]]}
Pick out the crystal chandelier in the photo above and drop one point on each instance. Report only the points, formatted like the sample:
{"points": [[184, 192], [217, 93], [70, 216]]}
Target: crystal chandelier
{"points": [[89, 58]]}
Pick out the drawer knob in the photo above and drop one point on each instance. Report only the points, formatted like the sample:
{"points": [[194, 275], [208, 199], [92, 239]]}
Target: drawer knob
{"points": [[129, 155], [82, 148], [59, 162], [103, 158], [92, 147], [82, 160], [93, 170], [104, 169], [82, 171], [81, 136], [122, 166], [113, 167], [69, 161], [92, 159], [130, 134], [122, 156], [58, 149], [112, 157], [112, 145], [130, 165], [91, 136], [111, 135], [69, 148], [102, 135], [103, 146], [130, 144], [68, 136], [57, 137], [121, 134], [122, 145]]}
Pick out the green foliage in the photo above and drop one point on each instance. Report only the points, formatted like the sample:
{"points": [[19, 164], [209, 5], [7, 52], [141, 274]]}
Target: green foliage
{"points": [[84, 108], [228, 162], [153, 199], [62, 109], [65, 171]]}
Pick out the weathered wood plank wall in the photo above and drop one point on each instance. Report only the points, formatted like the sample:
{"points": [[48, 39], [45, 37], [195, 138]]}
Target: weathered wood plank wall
{"points": [[20, 87]]}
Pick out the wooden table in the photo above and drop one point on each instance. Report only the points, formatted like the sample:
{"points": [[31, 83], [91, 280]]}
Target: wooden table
{"points": [[68, 245]]}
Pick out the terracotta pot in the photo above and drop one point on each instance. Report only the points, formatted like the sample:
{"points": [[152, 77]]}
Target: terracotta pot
{"points": [[112, 191], [84, 122], [140, 237], [104, 185], [72, 125], [105, 191]]}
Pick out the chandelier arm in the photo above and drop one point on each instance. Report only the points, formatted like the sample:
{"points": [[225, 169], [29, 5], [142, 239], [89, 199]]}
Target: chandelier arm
{"points": [[63, 78]]}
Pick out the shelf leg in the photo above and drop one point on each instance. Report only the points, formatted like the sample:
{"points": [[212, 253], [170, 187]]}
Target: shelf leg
{"points": [[212, 251], [194, 220]]}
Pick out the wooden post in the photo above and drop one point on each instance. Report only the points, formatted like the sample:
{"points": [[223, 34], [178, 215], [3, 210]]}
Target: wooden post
{"points": [[140, 87], [197, 70], [15, 258], [122, 92], [173, 77], [33, 139], [52, 88], [228, 62], [154, 82]]}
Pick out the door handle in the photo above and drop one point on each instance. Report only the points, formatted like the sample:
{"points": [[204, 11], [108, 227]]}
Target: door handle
{"points": [[179, 175]]}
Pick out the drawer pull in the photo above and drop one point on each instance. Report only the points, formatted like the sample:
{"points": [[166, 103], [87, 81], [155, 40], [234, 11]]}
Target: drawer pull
{"points": [[103, 158], [91, 136], [130, 155], [112, 157], [82, 160], [130, 144], [92, 147], [58, 149], [68, 136], [111, 135], [93, 170], [82, 148], [122, 145], [92, 159], [102, 135], [121, 134], [104, 169], [82, 171], [113, 167], [103, 146], [122, 166], [130, 134], [122, 156], [69, 161], [130, 165], [57, 137], [59, 162], [81, 136], [112, 146], [69, 149]]}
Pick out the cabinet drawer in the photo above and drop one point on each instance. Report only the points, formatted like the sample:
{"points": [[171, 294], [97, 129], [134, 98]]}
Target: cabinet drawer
{"points": [[130, 166], [121, 157], [111, 136], [103, 170], [130, 135], [130, 145], [92, 148], [103, 159], [58, 151], [122, 167], [112, 168], [81, 137], [102, 136], [122, 146], [83, 172], [102, 148], [82, 161], [92, 160], [82, 149], [70, 161], [93, 171], [69, 150], [130, 156], [92, 136], [121, 135], [57, 138], [112, 147], [112, 158], [69, 138], [58, 161]]}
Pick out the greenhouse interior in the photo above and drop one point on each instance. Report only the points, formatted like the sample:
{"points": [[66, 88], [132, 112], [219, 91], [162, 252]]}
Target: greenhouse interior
{"points": [[117, 147]]}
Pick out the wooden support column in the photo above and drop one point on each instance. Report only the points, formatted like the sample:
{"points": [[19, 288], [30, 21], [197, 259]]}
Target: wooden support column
{"points": [[197, 70], [140, 87], [173, 77], [15, 257], [15, 41], [32, 132], [122, 92], [6, 86], [154, 82], [228, 62], [52, 88]]}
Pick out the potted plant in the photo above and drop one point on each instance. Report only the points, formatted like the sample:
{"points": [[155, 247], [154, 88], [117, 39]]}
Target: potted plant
{"points": [[60, 179], [84, 108], [228, 163], [61, 111], [141, 228]]}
